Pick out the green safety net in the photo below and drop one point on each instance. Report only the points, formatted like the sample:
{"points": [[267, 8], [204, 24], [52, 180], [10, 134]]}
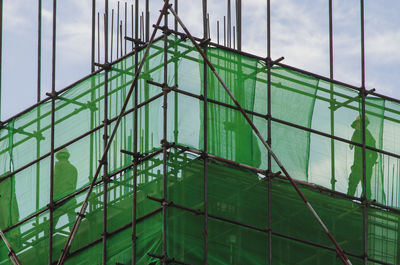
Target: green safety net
{"points": [[301, 105]]}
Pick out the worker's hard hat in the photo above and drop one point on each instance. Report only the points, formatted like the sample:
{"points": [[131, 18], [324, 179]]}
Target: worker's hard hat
{"points": [[63, 153], [358, 119]]}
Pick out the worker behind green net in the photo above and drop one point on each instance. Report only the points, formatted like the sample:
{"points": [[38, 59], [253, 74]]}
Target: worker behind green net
{"points": [[65, 181], [9, 212], [370, 158]]}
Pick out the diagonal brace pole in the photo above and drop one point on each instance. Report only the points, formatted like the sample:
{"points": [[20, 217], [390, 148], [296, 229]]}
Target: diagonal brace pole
{"points": [[339, 250], [11, 253], [104, 156]]}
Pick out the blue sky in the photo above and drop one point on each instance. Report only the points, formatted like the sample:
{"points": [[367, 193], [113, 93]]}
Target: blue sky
{"points": [[299, 33]]}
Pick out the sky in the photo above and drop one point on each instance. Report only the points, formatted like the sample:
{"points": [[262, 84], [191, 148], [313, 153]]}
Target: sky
{"points": [[299, 32]]}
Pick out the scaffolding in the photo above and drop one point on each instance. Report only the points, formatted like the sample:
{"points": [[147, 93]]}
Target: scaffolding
{"points": [[190, 152]]}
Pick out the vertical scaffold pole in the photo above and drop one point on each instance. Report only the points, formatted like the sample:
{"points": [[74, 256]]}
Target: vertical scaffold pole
{"points": [[239, 24], [364, 179], [38, 92], [93, 35], [205, 136], [135, 136], [332, 104], [164, 142], [53, 98], [269, 141], [105, 135]]}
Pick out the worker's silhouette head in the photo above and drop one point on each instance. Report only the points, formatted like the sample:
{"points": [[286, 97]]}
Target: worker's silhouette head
{"points": [[63, 154], [357, 123]]}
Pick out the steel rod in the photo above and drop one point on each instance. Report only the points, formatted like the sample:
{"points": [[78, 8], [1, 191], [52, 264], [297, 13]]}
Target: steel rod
{"points": [[147, 21], [132, 24], [177, 11], [224, 31], [269, 128], [135, 139], [93, 45], [164, 141], [340, 252], [117, 25], [229, 25], [364, 179], [205, 139], [332, 103], [112, 36], [239, 24], [39, 51], [105, 137], [84, 206], [52, 132], [126, 18], [218, 31], [98, 37]]}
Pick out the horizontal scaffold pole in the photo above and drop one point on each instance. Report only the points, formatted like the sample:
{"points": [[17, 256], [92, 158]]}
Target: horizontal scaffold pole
{"points": [[339, 250]]}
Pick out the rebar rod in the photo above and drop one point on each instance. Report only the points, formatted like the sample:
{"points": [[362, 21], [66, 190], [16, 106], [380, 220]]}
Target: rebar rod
{"points": [[339, 250], [85, 203]]}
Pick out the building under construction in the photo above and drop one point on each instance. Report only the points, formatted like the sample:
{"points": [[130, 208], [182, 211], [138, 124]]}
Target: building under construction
{"points": [[186, 151]]}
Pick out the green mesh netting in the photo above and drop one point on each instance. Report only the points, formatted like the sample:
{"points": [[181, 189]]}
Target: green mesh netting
{"points": [[238, 199]]}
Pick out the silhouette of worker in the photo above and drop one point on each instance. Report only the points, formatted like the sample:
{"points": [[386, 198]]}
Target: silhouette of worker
{"points": [[370, 156], [9, 212], [65, 181]]}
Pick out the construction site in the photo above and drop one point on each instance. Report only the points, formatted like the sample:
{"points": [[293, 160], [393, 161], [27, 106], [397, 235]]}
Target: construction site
{"points": [[185, 149]]}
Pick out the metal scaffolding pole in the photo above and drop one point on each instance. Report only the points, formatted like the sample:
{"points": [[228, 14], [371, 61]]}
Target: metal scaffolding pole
{"points": [[205, 137], [339, 250], [52, 133], [105, 135], [364, 179], [164, 141], [135, 137], [93, 44], [269, 139], [332, 102]]}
